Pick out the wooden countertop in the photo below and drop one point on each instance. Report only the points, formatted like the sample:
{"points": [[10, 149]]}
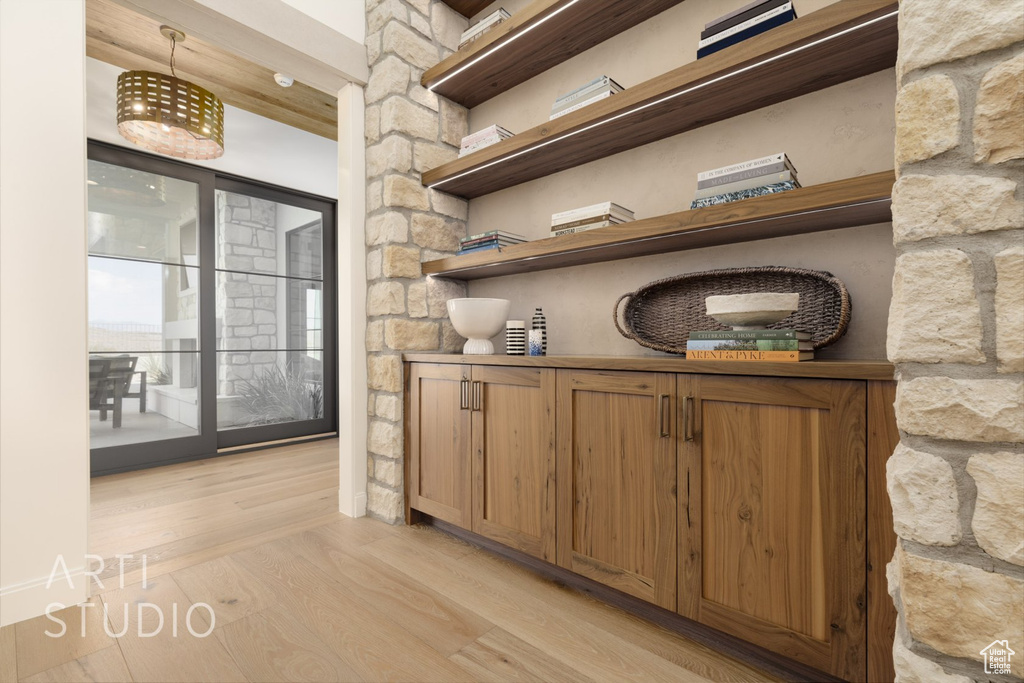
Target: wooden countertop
{"points": [[826, 369]]}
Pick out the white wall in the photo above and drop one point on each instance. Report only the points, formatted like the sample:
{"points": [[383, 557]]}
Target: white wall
{"points": [[44, 430], [347, 17], [840, 132], [254, 146]]}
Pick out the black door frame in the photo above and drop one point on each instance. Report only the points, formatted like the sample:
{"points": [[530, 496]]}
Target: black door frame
{"points": [[182, 449]]}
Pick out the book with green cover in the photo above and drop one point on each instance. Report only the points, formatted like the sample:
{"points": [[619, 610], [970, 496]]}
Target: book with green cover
{"points": [[748, 345], [750, 334]]}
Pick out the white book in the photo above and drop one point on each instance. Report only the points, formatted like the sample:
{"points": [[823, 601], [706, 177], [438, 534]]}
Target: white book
{"points": [[742, 166], [484, 24], [588, 95], [593, 86], [745, 184], [733, 30], [592, 210], [493, 129], [730, 15], [476, 146], [580, 105]]}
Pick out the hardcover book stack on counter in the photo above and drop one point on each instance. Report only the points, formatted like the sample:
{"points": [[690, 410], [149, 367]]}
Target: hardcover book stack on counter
{"points": [[481, 27], [754, 178], [750, 345], [493, 239], [746, 22], [483, 138], [598, 89], [588, 218]]}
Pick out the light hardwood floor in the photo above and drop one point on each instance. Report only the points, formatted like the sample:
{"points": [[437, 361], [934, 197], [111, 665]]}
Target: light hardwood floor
{"points": [[300, 592]]}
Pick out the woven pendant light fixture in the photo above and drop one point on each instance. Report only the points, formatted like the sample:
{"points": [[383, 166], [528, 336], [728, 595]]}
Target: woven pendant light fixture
{"points": [[170, 115]]}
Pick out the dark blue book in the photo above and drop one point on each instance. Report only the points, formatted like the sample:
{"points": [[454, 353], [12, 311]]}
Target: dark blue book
{"points": [[737, 19], [755, 30]]}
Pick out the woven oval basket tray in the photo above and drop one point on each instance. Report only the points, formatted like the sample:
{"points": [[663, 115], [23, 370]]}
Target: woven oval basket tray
{"points": [[661, 315]]}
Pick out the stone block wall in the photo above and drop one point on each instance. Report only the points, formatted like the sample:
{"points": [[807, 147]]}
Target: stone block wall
{"points": [[408, 130], [956, 335], [246, 241]]}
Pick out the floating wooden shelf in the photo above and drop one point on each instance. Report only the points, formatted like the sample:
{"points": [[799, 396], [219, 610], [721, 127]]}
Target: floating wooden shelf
{"points": [[838, 43], [534, 39], [842, 204], [468, 8]]}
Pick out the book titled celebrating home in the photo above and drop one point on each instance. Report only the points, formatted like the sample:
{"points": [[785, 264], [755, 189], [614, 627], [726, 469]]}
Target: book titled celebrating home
{"points": [[746, 22], [754, 178], [750, 345]]}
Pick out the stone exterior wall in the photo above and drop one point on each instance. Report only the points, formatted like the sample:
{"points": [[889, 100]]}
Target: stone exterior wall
{"points": [[246, 241], [408, 130], [956, 334]]}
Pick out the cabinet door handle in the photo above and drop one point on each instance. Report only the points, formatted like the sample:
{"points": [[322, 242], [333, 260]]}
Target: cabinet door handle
{"points": [[688, 525], [664, 418], [478, 396], [688, 418], [464, 394]]}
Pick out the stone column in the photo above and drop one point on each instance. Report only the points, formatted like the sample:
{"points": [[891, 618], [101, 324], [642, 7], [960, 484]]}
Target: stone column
{"points": [[956, 335], [408, 130]]}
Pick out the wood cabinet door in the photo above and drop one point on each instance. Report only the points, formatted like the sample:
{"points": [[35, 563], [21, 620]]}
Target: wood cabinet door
{"points": [[438, 442], [772, 515], [514, 457], [616, 480]]}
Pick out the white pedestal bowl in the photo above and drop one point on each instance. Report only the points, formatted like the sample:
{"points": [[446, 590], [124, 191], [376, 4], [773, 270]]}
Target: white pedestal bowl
{"points": [[478, 320], [751, 311]]}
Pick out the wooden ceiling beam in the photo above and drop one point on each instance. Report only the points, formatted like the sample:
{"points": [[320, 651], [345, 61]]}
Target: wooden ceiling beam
{"points": [[129, 40]]}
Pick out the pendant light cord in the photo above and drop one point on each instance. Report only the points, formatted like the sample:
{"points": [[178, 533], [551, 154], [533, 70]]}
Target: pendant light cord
{"points": [[173, 44]]}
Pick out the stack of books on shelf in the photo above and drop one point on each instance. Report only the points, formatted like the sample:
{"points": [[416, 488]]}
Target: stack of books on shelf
{"points": [[483, 138], [481, 27], [493, 239], [746, 22], [588, 93], [588, 218], [750, 345], [754, 178]]}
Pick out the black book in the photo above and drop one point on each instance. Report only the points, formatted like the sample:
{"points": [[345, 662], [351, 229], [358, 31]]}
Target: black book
{"points": [[740, 18]]}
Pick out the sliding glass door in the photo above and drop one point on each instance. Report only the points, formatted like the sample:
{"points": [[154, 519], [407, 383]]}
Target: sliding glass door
{"points": [[210, 312]]}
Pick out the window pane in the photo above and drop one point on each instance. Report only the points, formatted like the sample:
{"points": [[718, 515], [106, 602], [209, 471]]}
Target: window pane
{"points": [[142, 215], [268, 387], [138, 306], [260, 312], [261, 236], [138, 398]]}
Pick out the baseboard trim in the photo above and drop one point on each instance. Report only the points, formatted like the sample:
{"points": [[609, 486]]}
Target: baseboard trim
{"points": [[758, 657], [30, 599]]}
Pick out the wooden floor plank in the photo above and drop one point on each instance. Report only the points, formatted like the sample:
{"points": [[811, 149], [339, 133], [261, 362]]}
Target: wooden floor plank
{"points": [[274, 646], [435, 620], [498, 656], [105, 666], [172, 652], [227, 587], [596, 653], [367, 639], [83, 634], [8, 654]]}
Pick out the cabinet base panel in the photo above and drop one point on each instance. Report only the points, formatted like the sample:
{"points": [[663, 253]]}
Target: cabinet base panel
{"points": [[769, 662]]}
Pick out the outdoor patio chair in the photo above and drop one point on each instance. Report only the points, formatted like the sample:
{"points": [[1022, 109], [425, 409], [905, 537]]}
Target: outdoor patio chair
{"points": [[110, 380]]}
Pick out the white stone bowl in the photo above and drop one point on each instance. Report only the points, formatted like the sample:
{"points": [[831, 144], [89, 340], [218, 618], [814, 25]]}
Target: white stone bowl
{"points": [[751, 311], [478, 320]]}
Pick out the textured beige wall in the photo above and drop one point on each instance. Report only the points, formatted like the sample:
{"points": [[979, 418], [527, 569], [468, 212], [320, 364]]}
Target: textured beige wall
{"points": [[840, 132]]}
